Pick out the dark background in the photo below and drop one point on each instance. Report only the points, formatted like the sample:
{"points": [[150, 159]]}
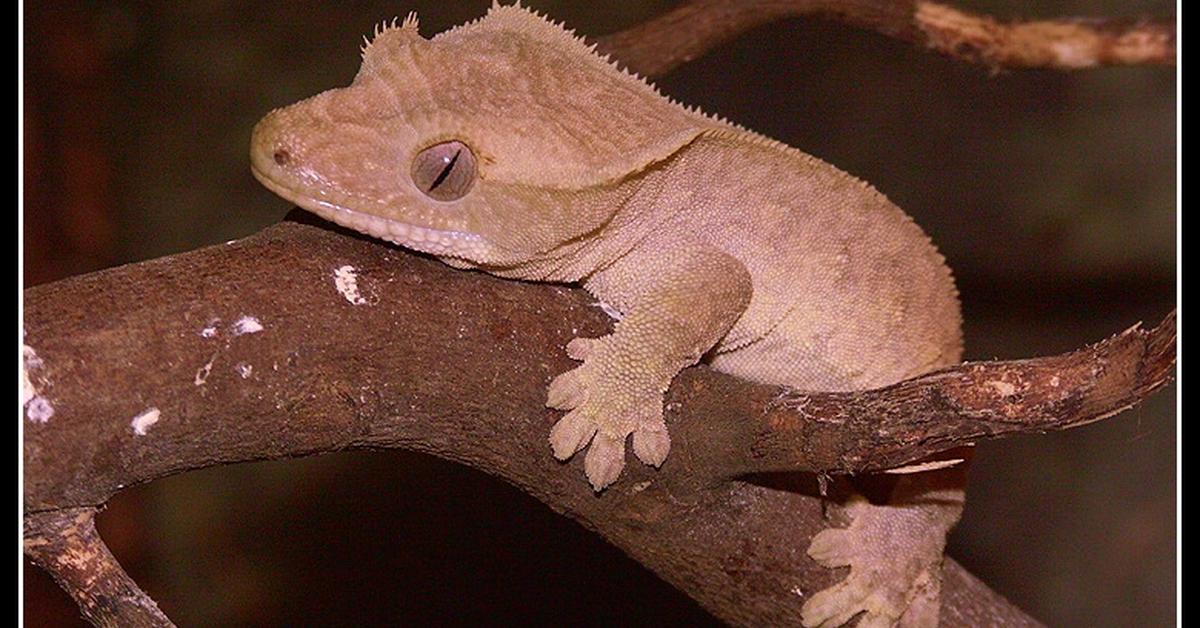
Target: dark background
{"points": [[1052, 196]]}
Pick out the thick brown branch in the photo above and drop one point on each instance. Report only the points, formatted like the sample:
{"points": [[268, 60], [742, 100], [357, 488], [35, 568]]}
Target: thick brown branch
{"points": [[690, 30], [455, 364]]}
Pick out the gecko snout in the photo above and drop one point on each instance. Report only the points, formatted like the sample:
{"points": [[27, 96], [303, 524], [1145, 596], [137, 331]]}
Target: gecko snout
{"points": [[278, 158], [300, 143], [268, 148]]}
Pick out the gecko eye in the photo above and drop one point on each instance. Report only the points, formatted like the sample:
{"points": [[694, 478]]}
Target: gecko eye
{"points": [[446, 171]]}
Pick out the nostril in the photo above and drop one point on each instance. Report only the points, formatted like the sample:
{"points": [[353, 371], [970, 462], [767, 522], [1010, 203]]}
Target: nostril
{"points": [[282, 157]]}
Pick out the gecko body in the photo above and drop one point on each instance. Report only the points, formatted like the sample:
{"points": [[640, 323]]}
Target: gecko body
{"points": [[509, 146]]}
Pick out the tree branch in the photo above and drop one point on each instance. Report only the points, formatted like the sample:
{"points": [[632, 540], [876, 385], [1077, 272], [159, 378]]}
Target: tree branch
{"points": [[64, 543], [693, 28], [960, 405], [253, 350]]}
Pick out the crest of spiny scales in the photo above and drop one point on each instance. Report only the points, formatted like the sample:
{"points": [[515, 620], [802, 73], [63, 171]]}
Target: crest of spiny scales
{"points": [[410, 23], [524, 20]]}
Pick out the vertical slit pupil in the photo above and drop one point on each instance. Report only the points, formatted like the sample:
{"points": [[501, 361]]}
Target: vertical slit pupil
{"points": [[445, 171]]}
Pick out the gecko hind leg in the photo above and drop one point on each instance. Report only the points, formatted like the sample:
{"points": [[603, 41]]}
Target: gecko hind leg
{"points": [[894, 552]]}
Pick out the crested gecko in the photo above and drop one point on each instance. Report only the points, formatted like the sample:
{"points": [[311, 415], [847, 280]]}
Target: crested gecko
{"points": [[510, 146]]}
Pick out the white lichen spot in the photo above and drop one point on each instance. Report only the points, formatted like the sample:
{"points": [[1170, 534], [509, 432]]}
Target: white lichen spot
{"points": [[1004, 388], [203, 372], [247, 325], [143, 421], [798, 591], [39, 409], [1054, 381], [210, 331], [244, 369], [640, 486], [31, 357], [345, 279], [28, 390], [29, 361]]}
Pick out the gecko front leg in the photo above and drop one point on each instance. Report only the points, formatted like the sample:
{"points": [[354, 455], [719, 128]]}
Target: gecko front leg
{"points": [[679, 300]]}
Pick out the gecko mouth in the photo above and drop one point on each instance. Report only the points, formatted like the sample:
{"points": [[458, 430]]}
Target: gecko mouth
{"points": [[434, 241]]}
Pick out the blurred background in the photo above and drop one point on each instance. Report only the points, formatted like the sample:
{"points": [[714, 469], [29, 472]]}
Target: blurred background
{"points": [[1052, 196]]}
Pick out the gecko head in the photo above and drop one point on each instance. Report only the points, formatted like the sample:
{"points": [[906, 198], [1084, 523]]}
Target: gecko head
{"points": [[485, 143], [353, 156]]}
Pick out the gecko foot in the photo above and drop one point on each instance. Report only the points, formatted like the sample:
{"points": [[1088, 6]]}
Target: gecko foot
{"points": [[895, 559], [604, 410]]}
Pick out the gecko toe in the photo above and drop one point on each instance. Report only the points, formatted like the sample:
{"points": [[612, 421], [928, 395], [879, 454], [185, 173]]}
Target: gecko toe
{"points": [[651, 443], [570, 434], [651, 446], [830, 548], [580, 348], [567, 391], [829, 608], [604, 461]]}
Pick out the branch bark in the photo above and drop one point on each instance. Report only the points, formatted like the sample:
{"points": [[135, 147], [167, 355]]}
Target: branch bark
{"points": [[64, 543], [455, 364], [693, 28]]}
